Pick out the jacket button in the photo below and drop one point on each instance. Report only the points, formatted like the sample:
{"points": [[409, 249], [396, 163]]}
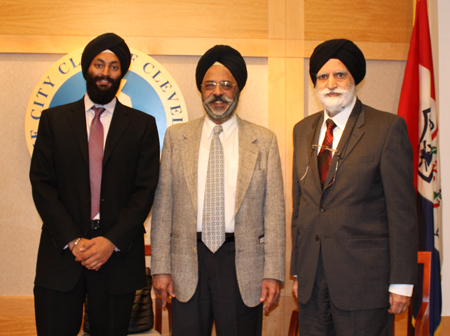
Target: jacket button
{"points": [[323, 209], [316, 237]]}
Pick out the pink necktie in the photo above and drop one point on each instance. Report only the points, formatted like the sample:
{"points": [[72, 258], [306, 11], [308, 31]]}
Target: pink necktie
{"points": [[324, 158], [96, 160]]}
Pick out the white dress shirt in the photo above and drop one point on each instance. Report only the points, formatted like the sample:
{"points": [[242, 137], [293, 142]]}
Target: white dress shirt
{"points": [[230, 143]]}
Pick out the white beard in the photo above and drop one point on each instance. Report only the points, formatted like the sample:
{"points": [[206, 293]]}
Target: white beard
{"points": [[334, 105]]}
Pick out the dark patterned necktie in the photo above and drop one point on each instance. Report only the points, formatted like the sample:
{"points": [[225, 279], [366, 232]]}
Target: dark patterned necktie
{"points": [[96, 160], [213, 221], [324, 158]]}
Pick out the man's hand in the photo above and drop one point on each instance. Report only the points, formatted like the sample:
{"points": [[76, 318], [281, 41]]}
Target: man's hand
{"points": [[295, 287], [270, 290], [75, 249], [399, 303], [163, 285], [95, 253]]}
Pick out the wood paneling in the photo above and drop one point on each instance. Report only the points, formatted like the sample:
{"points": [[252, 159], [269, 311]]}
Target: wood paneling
{"points": [[371, 50], [383, 21], [150, 45], [17, 316], [189, 27], [162, 18]]}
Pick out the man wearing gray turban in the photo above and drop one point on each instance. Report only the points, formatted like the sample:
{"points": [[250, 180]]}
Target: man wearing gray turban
{"points": [[93, 173], [354, 225], [218, 224]]}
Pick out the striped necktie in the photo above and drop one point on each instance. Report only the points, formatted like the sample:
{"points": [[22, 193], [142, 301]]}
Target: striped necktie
{"points": [[324, 158]]}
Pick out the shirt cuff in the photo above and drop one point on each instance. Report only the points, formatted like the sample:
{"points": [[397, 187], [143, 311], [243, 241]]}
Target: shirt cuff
{"points": [[401, 289]]}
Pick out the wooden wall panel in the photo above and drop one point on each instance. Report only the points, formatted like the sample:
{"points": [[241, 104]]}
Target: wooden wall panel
{"points": [[180, 18], [189, 27], [359, 20], [384, 21]]}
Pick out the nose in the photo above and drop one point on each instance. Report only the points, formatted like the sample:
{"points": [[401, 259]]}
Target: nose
{"points": [[331, 83], [217, 90], [105, 71]]}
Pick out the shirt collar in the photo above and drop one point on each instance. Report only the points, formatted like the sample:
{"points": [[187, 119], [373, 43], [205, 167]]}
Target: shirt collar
{"points": [[341, 118], [228, 126], [88, 103]]}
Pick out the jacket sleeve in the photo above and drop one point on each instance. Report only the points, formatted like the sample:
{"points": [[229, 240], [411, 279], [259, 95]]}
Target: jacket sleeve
{"points": [[274, 217], [162, 213], [397, 176], [56, 219], [296, 193]]}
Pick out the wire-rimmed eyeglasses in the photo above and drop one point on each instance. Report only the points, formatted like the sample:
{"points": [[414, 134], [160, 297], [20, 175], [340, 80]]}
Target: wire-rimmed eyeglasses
{"points": [[224, 86], [333, 151]]}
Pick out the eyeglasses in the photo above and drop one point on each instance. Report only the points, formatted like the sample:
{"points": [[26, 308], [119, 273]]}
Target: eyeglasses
{"points": [[324, 148], [339, 76], [225, 86], [334, 151]]}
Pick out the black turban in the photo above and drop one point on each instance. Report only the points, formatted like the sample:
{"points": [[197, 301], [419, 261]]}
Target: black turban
{"points": [[101, 43], [229, 57], [345, 51]]}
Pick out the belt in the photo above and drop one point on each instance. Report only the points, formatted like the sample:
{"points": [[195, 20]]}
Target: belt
{"points": [[229, 236], [95, 224]]}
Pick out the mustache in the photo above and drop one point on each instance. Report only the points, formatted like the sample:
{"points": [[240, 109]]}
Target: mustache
{"points": [[220, 98], [336, 90], [104, 77]]}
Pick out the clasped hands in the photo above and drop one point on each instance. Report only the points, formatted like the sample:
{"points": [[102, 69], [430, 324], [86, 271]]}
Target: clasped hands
{"points": [[92, 253]]}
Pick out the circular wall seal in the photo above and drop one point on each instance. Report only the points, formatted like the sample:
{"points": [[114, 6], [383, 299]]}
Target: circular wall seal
{"points": [[147, 86]]}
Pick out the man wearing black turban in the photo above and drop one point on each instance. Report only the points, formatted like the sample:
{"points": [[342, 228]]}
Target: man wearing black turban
{"points": [[94, 172], [354, 225], [218, 235]]}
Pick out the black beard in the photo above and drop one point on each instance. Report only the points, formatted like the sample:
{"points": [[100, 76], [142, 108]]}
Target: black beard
{"points": [[100, 95]]}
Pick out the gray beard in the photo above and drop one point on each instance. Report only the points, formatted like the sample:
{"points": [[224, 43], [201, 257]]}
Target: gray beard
{"points": [[227, 114]]}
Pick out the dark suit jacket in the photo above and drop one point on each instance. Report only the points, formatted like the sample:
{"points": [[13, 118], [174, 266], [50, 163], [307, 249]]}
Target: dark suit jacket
{"points": [[365, 223], [59, 177]]}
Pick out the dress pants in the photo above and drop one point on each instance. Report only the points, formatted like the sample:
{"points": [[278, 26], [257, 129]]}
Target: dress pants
{"points": [[320, 317], [216, 299], [60, 313]]}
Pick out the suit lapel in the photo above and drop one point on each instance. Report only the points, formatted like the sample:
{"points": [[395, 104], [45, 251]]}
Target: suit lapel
{"points": [[313, 139], [248, 156], [352, 133], [351, 136], [77, 121], [189, 151], [119, 123]]}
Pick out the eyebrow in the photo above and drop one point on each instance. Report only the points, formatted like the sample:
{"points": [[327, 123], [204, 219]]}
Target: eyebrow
{"points": [[103, 61], [335, 71]]}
